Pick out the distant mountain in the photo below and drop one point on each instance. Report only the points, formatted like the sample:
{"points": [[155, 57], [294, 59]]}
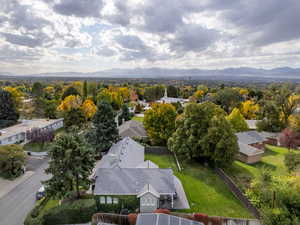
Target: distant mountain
{"points": [[230, 73]]}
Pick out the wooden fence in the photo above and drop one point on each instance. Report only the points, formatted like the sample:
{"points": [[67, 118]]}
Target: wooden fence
{"points": [[237, 192]]}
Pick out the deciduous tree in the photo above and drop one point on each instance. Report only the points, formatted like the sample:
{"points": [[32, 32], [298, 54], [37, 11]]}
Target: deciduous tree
{"points": [[249, 109], [8, 113], [236, 119], [159, 122]]}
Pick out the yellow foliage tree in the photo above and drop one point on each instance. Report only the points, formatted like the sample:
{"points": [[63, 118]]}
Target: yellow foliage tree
{"points": [[89, 109], [69, 103], [125, 93], [78, 85], [199, 94], [249, 109], [243, 91], [16, 94]]}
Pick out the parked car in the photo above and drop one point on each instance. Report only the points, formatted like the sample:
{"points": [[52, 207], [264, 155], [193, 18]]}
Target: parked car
{"points": [[40, 193]]}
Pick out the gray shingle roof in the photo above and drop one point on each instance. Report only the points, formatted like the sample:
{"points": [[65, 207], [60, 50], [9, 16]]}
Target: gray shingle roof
{"points": [[249, 150], [163, 219], [130, 181], [126, 153], [252, 137], [132, 128]]}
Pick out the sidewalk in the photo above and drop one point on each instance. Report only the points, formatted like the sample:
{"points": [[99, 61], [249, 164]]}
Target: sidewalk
{"points": [[7, 185]]}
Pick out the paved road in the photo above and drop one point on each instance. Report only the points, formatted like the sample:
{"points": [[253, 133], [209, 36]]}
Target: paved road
{"points": [[17, 203]]}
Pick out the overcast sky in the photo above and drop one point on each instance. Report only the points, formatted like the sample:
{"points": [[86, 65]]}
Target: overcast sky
{"points": [[90, 35]]}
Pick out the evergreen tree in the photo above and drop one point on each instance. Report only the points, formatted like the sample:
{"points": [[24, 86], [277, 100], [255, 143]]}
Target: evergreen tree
{"points": [[70, 91], [85, 90], [237, 121], [125, 114], [71, 164], [37, 89], [8, 113], [104, 131]]}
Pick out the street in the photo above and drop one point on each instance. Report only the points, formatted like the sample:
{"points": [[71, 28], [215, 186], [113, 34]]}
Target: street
{"points": [[15, 205]]}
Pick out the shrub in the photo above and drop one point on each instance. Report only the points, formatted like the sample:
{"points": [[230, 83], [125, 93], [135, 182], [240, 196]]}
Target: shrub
{"points": [[12, 160], [200, 217], [80, 211], [132, 217], [164, 211]]}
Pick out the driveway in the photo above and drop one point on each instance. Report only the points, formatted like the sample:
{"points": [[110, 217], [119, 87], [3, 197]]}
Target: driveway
{"points": [[181, 202], [15, 205]]}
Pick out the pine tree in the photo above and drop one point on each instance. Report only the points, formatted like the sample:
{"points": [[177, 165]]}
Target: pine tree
{"points": [[85, 90], [8, 113], [71, 164], [125, 114], [104, 131]]}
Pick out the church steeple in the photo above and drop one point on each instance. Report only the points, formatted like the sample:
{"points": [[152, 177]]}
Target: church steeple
{"points": [[166, 93]]}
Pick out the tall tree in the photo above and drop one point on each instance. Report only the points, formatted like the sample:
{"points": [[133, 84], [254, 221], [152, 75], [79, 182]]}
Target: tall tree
{"points": [[8, 113], [104, 131], [173, 91], [289, 138], [71, 164], [125, 114], [228, 99], [159, 122], [70, 91], [85, 90], [236, 119], [37, 89], [202, 133]]}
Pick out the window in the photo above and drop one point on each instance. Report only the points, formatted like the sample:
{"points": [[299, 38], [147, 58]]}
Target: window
{"points": [[116, 201], [102, 200], [108, 200]]}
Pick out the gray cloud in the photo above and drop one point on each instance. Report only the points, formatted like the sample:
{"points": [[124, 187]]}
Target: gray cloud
{"points": [[79, 8], [9, 54], [22, 40], [193, 38]]}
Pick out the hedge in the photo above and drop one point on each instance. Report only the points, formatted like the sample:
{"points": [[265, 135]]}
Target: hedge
{"points": [[79, 211]]}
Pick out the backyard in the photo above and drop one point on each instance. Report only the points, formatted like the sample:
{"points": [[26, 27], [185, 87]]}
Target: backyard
{"points": [[273, 160], [139, 119], [205, 191]]}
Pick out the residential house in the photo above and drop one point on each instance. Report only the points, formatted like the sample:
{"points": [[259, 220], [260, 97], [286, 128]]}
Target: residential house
{"points": [[17, 133], [132, 129], [251, 145], [123, 176]]}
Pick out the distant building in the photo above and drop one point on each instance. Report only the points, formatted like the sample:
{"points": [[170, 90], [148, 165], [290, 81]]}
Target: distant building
{"points": [[170, 100], [132, 129], [251, 145], [17, 133], [252, 124]]}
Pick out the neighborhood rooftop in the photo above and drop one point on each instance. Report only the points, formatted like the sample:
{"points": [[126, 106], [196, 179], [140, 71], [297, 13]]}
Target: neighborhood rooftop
{"points": [[163, 219], [26, 125], [132, 128], [249, 150], [131, 181], [125, 154], [252, 137]]}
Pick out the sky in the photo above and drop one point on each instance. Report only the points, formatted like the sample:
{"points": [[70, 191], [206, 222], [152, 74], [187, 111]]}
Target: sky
{"points": [[39, 36]]}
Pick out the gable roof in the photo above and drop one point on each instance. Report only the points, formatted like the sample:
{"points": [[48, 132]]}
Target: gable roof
{"points": [[148, 188], [132, 128], [131, 181], [163, 219], [126, 153]]}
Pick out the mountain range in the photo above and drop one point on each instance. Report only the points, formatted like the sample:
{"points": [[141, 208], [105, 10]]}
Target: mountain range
{"points": [[228, 73]]}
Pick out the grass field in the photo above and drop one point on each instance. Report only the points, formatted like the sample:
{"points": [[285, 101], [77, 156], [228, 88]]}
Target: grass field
{"points": [[140, 119], [205, 191], [273, 160], [35, 147]]}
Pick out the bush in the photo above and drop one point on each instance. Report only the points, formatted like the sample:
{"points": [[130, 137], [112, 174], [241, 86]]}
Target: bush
{"points": [[80, 211], [12, 160], [200, 217]]}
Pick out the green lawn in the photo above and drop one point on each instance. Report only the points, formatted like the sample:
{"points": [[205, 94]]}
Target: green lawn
{"points": [[273, 159], [205, 191], [35, 147], [50, 204], [140, 119]]}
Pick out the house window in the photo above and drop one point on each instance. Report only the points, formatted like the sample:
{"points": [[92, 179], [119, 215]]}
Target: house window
{"points": [[108, 200], [116, 200], [102, 200]]}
